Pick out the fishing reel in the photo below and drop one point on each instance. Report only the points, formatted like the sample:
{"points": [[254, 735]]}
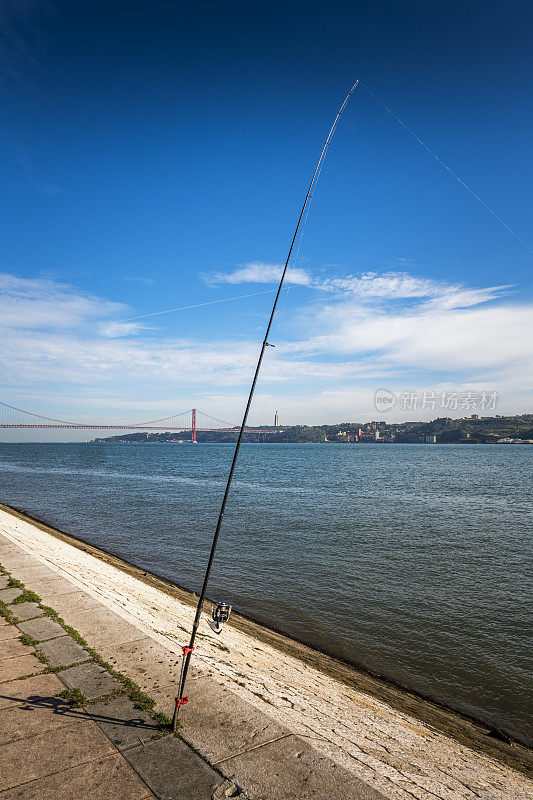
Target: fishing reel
{"points": [[219, 616]]}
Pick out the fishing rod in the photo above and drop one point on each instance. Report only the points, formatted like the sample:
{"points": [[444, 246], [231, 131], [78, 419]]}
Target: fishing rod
{"points": [[188, 650]]}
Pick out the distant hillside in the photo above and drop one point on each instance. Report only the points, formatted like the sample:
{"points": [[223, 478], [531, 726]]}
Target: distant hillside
{"points": [[484, 430], [447, 430]]}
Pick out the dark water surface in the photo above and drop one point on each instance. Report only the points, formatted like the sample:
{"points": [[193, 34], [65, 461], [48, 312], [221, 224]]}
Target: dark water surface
{"points": [[410, 560]]}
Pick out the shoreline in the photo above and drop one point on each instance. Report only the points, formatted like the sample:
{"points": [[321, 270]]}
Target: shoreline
{"points": [[226, 444], [398, 695], [466, 730]]}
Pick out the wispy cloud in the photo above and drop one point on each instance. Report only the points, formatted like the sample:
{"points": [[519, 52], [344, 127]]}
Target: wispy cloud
{"points": [[28, 171], [372, 285], [425, 338], [37, 303], [367, 286], [462, 297], [355, 334], [22, 37], [258, 272], [387, 285], [115, 330]]}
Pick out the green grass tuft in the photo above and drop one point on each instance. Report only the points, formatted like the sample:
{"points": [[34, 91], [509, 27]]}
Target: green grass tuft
{"points": [[7, 614], [141, 700], [25, 638], [51, 613], [134, 692], [163, 721], [27, 597], [40, 656], [74, 697]]}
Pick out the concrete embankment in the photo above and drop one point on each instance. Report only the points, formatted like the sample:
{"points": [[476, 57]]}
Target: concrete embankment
{"points": [[275, 717]]}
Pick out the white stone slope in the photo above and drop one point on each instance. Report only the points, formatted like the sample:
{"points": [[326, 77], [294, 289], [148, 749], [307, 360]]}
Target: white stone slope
{"points": [[397, 754]]}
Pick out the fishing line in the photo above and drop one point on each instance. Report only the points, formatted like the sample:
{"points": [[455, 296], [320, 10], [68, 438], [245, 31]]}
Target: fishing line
{"points": [[446, 167], [198, 305], [180, 700], [284, 296], [253, 294], [286, 290]]}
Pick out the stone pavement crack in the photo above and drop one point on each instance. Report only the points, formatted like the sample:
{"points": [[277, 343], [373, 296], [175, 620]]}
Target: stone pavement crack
{"points": [[254, 747]]}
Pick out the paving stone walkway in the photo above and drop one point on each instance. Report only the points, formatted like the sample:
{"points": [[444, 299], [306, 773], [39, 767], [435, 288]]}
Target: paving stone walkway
{"points": [[106, 750], [135, 626]]}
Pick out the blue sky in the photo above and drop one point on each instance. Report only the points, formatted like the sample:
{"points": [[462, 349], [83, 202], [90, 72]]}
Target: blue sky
{"points": [[155, 157]]}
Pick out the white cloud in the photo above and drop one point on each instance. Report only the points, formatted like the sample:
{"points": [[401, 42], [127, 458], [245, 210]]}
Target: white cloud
{"points": [[387, 285], [371, 286], [36, 303], [27, 357], [368, 287], [461, 297], [53, 335], [257, 272], [113, 330], [431, 338]]}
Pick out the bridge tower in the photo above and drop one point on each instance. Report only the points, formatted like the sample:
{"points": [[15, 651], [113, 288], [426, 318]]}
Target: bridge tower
{"points": [[193, 436]]}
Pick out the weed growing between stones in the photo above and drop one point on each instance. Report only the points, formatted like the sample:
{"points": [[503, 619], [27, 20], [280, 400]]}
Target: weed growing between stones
{"points": [[25, 638], [40, 656], [141, 700], [7, 614], [74, 697], [26, 597], [163, 721], [51, 613], [134, 692]]}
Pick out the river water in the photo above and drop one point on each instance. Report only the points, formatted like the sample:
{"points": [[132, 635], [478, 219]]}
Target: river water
{"points": [[413, 561]]}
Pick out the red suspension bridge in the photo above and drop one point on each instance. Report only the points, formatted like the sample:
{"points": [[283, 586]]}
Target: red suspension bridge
{"points": [[192, 421]]}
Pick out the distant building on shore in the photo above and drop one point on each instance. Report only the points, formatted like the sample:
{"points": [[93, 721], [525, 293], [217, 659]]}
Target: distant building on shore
{"points": [[417, 438], [276, 420], [508, 440]]}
